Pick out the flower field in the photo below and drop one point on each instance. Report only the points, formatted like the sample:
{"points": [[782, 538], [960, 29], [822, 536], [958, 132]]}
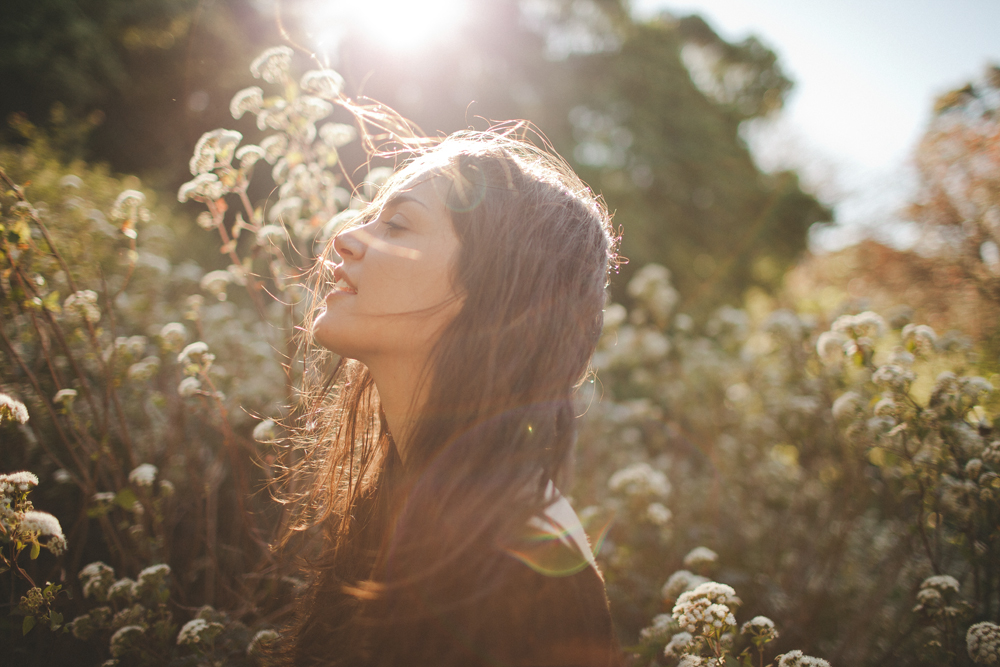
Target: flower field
{"points": [[794, 481]]}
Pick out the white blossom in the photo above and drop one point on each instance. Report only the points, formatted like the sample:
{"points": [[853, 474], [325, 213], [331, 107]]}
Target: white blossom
{"points": [[197, 631], [128, 205], [639, 479], [700, 557], [215, 147], [173, 335], [83, 302], [830, 347], [265, 431], [215, 283], [658, 514], [941, 582], [659, 628], [96, 578], [188, 387], [920, 338], [13, 409], [893, 377], [124, 639], [760, 627], [64, 396], [706, 609], [18, 481], [337, 134], [247, 100], [249, 155], [205, 186], [143, 475], [274, 146], [678, 644], [194, 353], [983, 643], [680, 582], [41, 523], [847, 406], [797, 659], [324, 83], [272, 65]]}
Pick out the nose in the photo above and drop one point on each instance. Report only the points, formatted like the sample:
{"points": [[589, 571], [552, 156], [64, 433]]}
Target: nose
{"points": [[348, 244]]}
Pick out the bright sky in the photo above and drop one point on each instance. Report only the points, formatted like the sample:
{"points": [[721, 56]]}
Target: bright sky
{"points": [[866, 73]]}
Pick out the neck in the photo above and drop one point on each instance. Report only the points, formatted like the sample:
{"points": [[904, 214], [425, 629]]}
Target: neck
{"points": [[402, 390]]}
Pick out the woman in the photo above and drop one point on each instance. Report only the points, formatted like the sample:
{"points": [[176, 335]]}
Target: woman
{"points": [[465, 308]]}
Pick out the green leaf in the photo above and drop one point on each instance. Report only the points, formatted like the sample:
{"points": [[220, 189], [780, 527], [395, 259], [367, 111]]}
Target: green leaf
{"points": [[36, 549], [55, 620], [125, 499], [27, 624]]}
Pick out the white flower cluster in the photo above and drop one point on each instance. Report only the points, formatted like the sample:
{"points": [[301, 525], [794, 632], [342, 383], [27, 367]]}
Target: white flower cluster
{"points": [[797, 659], [272, 65], [707, 609], [83, 303], [125, 639], [863, 325], [700, 557], [658, 514], [678, 645], [143, 475], [983, 643], [17, 481], [96, 578], [892, 377], [651, 286], [198, 631], [195, 354], [680, 582], [920, 338], [12, 409], [660, 628], [265, 431], [64, 396], [129, 206], [760, 629], [173, 335], [639, 479]]}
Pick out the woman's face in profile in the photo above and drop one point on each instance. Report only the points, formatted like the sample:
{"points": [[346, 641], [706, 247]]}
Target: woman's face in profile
{"points": [[394, 290]]}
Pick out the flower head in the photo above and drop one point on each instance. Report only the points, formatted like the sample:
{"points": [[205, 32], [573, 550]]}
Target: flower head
{"points": [[249, 99], [272, 65], [639, 479], [760, 630], [324, 83], [680, 582], [125, 639], [143, 475], [700, 557], [983, 643], [83, 303], [12, 409], [798, 659], [198, 631]]}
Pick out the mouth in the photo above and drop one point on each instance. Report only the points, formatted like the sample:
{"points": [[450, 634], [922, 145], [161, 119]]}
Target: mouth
{"points": [[341, 283]]}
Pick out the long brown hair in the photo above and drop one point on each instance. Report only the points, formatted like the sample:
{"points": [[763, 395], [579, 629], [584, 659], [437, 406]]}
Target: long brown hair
{"points": [[408, 546]]}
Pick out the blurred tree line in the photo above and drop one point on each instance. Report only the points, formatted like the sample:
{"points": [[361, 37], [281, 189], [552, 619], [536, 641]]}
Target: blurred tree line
{"points": [[649, 112]]}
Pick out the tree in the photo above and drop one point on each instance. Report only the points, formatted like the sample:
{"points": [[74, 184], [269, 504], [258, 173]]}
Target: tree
{"points": [[958, 161]]}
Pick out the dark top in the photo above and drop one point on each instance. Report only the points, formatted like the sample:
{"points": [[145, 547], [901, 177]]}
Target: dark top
{"points": [[547, 608]]}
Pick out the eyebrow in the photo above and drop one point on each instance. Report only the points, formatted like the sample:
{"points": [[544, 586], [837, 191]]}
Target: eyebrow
{"points": [[398, 199]]}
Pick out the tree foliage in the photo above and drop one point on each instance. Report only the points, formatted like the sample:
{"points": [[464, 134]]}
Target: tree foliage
{"points": [[958, 160]]}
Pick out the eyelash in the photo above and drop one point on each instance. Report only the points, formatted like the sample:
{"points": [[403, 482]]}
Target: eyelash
{"points": [[392, 227]]}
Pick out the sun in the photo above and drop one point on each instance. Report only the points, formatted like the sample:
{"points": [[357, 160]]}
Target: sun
{"points": [[403, 26]]}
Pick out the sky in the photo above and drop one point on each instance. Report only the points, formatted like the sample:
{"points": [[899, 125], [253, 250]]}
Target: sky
{"points": [[866, 73]]}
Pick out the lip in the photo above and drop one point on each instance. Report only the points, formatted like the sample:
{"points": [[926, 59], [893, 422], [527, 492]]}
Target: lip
{"points": [[342, 284]]}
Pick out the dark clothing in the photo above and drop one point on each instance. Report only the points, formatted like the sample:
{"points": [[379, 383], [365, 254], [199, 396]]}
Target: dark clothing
{"points": [[545, 606]]}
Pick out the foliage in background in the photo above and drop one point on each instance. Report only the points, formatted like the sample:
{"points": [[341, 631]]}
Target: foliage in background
{"points": [[648, 112], [958, 160], [844, 481]]}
